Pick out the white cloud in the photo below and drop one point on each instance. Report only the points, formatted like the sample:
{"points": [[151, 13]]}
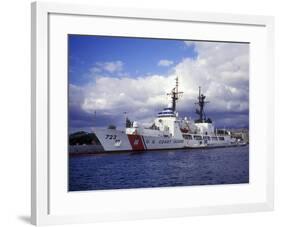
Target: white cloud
{"points": [[138, 96], [221, 69], [165, 62], [111, 67], [95, 70], [76, 95]]}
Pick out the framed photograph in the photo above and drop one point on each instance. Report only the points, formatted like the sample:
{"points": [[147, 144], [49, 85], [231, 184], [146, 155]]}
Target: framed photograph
{"points": [[149, 114]]}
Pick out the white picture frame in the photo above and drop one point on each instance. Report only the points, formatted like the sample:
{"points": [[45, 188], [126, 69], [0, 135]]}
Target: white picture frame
{"points": [[51, 203]]}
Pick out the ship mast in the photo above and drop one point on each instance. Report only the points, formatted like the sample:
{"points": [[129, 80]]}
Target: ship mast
{"points": [[175, 94], [201, 103]]}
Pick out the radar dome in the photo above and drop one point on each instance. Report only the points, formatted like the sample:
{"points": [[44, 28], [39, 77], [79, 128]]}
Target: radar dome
{"points": [[135, 124], [170, 105]]}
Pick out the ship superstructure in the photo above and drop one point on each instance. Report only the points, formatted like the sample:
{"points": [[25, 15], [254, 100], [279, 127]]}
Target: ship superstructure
{"points": [[167, 131]]}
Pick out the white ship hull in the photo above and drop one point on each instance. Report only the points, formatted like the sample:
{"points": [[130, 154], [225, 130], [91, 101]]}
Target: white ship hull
{"points": [[117, 140]]}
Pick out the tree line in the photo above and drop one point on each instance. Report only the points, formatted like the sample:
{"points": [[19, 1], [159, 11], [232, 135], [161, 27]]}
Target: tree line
{"points": [[81, 138]]}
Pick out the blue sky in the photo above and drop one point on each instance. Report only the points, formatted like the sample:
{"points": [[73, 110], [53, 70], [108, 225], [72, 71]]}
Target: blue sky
{"points": [[112, 75], [139, 56]]}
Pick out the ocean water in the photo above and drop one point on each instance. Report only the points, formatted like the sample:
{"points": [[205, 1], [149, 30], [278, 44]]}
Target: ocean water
{"points": [[159, 169]]}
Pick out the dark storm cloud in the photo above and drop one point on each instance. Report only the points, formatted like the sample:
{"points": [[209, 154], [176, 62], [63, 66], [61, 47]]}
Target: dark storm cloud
{"points": [[80, 119]]}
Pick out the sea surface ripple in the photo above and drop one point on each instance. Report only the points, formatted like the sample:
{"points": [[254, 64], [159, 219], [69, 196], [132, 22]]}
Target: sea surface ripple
{"points": [[159, 169]]}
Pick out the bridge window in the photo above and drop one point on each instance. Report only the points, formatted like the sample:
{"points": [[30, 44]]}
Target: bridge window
{"points": [[198, 137], [188, 137]]}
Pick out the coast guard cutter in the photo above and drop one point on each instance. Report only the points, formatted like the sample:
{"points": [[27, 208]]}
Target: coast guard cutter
{"points": [[168, 131]]}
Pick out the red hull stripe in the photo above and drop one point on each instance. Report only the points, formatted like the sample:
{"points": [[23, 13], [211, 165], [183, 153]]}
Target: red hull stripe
{"points": [[143, 141], [136, 142]]}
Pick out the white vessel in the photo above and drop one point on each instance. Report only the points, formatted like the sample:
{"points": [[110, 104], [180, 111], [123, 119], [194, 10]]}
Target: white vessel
{"points": [[168, 131]]}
